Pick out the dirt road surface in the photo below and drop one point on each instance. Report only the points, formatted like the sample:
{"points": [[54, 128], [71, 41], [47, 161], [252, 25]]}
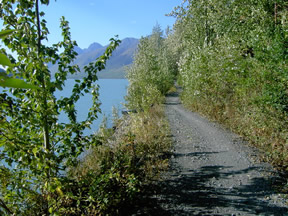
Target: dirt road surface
{"points": [[212, 172]]}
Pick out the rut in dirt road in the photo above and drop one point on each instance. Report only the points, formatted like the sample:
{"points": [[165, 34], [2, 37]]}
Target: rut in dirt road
{"points": [[212, 172]]}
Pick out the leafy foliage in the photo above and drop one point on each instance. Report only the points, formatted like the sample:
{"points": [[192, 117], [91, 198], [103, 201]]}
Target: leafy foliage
{"points": [[233, 67], [150, 76], [6, 81], [115, 173], [35, 147]]}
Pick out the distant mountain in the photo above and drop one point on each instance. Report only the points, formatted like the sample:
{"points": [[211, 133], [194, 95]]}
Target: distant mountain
{"points": [[93, 46], [78, 50], [115, 68]]}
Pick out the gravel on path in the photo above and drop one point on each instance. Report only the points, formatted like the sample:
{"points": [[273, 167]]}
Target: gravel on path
{"points": [[212, 172]]}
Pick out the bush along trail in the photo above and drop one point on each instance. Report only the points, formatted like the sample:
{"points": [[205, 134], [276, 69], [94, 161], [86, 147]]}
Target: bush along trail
{"points": [[212, 172], [230, 57]]}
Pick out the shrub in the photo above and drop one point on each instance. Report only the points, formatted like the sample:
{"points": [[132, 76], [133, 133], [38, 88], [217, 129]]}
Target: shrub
{"points": [[111, 175]]}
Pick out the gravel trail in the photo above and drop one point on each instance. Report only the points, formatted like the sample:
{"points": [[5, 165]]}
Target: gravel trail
{"points": [[212, 172]]}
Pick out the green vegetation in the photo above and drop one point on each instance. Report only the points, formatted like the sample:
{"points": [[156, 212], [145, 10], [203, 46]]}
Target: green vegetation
{"points": [[44, 170], [230, 57], [233, 67], [116, 172], [6, 81], [37, 149], [151, 75]]}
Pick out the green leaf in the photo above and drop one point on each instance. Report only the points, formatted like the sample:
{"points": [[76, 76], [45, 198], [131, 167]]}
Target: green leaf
{"points": [[4, 60], [15, 83], [5, 33], [34, 150]]}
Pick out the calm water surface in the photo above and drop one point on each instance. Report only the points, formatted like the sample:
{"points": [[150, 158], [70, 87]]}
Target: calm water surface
{"points": [[112, 93]]}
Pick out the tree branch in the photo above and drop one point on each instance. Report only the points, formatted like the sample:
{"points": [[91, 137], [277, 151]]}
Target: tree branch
{"points": [[38, 26], [4, 206]]}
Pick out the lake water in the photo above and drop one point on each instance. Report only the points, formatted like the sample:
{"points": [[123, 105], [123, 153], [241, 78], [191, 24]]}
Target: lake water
{"points": [[112, 93]]}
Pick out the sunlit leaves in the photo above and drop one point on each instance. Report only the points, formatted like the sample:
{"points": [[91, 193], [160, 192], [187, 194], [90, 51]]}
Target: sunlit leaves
{"points": [[31, 139], [5, 33], [150, 76], [15, 83], [5, 61], [233, 66], [6, 81]]}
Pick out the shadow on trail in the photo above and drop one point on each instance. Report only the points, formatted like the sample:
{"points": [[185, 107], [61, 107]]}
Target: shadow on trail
{"points": [[172, 103], [193, 193], [194, 154], [172, 99], [173, 94]]}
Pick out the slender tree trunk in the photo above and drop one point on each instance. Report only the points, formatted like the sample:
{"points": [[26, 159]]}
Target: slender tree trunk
{"points": [[45, 123], [45, 106]]}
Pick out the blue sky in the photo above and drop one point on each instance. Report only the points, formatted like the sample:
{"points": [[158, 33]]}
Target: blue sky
{"points": [[99, 20]]}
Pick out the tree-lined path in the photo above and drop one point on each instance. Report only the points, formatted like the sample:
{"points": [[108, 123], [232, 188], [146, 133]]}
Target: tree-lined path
{"points": [[212, 172]]}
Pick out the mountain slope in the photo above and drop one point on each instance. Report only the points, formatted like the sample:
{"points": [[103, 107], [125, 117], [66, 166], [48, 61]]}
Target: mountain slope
{"points": [[115, 68], [120, 59]]}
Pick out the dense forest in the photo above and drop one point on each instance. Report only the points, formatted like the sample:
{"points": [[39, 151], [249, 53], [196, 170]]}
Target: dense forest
{"points": [[230, 58]]}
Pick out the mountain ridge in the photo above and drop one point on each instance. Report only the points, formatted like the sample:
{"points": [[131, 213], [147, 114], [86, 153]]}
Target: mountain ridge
{"points": [[121, 58]]}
